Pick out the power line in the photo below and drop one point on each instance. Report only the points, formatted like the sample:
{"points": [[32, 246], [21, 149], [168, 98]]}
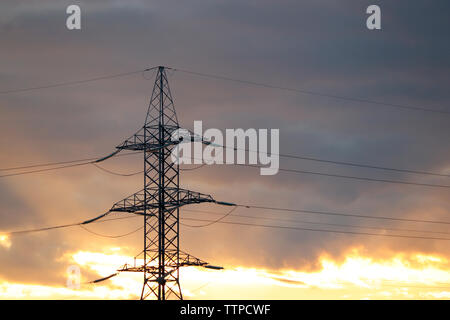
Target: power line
{"points": [[344, 163], [42, 229], [44, 170], [320, 223], [351, 177], [47, 164], [341, 214], [70, 83], [88, 160], [314, 93], [352, 164], [202, 165], [117, 173], [339, 176], [111, 236], [225, 222], [344, 176], [70, 164], [320, 230], [95, 220], [117, 75], [210, 222], [214, 221], [194, 168]]}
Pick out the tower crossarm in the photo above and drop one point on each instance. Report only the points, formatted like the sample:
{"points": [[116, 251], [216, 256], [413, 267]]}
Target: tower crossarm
{"points": [[147, 138], [139, 201], [134, 203], [186, 260], [189, 197]]}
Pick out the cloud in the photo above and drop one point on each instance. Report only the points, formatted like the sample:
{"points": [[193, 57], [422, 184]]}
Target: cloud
{"points": [[319, 46], [415, 276]]}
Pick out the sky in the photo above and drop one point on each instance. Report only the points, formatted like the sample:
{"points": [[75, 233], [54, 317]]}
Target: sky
{"points": [[320, 46]]}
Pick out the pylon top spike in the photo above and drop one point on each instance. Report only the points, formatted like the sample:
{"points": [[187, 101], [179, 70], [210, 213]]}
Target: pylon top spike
{"points": [[161, 103]]}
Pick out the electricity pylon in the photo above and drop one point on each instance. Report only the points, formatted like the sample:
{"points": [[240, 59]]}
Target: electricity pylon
{"points": [[160, 200]]}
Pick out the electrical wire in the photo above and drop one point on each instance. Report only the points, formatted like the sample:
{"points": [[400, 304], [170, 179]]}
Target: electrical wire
{"points": [[320, 223], [93, 161], [214, 221], [322, 230], [194, 168], [44, 170], [89, 161], [314, 93], [281, 155], [117, 173], [342, 214], [48, 164], [95, 220], [351, 177], [110, 236], [346, 163], [359, 165], [41, 229], [210, 222], [70, 83], [343, 163], [342, 176], [208, 75], [246, 165], [345, 176], [202, 165]]}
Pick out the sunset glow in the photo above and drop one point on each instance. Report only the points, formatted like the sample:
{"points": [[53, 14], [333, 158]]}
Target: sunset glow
{"points": [[5, 241], [248, 150], [416, 276]]}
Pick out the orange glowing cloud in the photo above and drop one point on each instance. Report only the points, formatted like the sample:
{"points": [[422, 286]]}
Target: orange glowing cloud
{"points": [[5, 241], [417, 276]]}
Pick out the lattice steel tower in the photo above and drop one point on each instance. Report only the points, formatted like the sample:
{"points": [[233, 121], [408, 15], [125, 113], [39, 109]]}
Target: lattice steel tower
{"points": [[161, 198]]}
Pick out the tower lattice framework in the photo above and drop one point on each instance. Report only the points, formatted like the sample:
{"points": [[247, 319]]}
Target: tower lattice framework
{"points": [[161, 198]]}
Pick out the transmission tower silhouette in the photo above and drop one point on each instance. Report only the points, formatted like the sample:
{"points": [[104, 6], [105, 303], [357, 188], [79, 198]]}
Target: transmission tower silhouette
{"points": [[161, 198]]}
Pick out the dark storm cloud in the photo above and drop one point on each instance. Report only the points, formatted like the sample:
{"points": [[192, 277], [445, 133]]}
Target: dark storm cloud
{"points": [[320, 46]]}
